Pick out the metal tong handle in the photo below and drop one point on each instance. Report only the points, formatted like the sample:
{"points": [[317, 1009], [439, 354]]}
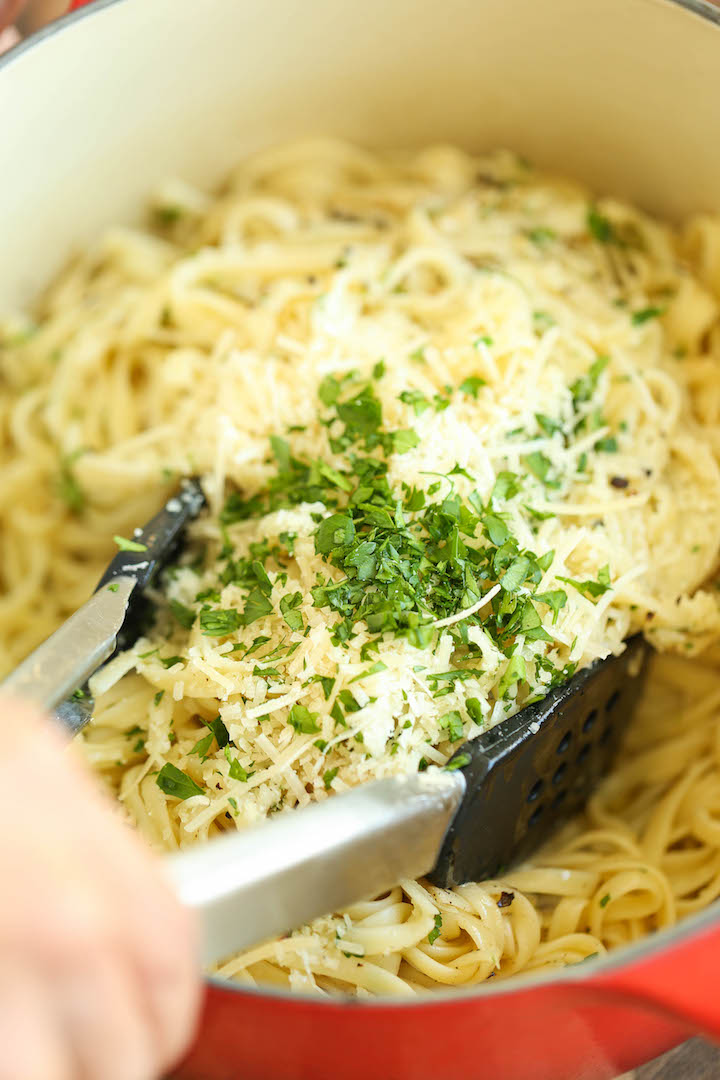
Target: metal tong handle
{"points": [[66, 660], [274, 877]]}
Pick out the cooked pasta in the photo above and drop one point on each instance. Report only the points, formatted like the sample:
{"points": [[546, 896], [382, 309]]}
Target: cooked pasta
{"points": [[457, 423]]}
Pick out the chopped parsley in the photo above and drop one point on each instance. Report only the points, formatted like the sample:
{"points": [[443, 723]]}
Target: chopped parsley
{"points": [[416, 399], [584, 388], [591, 588], [541, 467], [217, 622], [237, 772], [184, 615], [303, 720], [645, 314], [472, 385], [174, 782], [458, 762], [328, 777], [68, 488], [171, 661], [202, 746], [541, 236], [453, 723], [599, 226], [435, 932], [288, 609], [129, 545]]}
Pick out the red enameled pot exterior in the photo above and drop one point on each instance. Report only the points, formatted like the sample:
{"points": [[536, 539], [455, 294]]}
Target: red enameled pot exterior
{"points": [[624, 93]]}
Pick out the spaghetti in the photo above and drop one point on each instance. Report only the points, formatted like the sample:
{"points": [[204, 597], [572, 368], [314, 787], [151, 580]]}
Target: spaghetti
{"points": [[458, 428]]}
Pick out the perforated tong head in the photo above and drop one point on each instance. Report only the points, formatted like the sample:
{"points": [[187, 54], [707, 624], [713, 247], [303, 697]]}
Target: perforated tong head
{"points": [[537, 768], [512, 786], [110, 619]]}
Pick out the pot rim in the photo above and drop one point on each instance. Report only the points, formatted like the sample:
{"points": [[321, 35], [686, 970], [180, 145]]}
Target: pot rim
{"points": [[623, 957]]}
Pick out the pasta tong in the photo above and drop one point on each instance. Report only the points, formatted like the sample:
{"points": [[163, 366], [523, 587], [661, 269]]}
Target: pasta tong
{"points": [[499, 797], [110, 620]]}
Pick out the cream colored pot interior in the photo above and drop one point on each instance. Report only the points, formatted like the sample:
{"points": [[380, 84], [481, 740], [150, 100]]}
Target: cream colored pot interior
{"points": [[622, 93]]}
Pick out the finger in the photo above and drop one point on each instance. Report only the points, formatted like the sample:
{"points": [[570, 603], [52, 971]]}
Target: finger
{"points": [[31, 1036], [112, 890], [102, 1009], [145, 919], [159, 935], [9, 10]]}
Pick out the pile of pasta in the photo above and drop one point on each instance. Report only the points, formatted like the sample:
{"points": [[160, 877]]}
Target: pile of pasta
{"points": [[457, 424]]}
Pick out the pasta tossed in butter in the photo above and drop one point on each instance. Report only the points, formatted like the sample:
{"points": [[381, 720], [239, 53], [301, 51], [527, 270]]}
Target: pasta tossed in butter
{"points": [[457, 423]]}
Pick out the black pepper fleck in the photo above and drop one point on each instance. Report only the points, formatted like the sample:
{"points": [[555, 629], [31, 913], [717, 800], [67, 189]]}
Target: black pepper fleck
{"points": [[506, 899], [619, 481]]}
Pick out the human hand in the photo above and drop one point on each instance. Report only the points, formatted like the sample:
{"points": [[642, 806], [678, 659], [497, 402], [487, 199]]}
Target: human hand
{"points": [[98, 969], [9, 11]]}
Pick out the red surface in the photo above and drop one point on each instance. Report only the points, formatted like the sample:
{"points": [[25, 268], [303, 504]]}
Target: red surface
{"points": [[557, 1032], [580, 1030]]}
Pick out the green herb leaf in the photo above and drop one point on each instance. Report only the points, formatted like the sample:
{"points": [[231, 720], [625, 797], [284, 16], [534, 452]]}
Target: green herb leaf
{"points": [[541, 236], [591, 588], [329, 390], [599, 226], [68, 487], [256, 606], [362, 414], [417, 399], [167, 215], [453, 721], [583, 388], [129, 545], [515, 574], [172, 781], [458, 762], [515, 672], [547, 424], [496, 529], [507, 485], [645, 314], [171, 661], [556, 599], [472, 385], [281, 450], [217, 622], [403, 441], [474, 708], [184, 615], [329, 776], [288, 609], [435, 932], [303, 720], [333, 532], [260, 574], [237, 772], [326, 682], [202, 746], [539, 464]]}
